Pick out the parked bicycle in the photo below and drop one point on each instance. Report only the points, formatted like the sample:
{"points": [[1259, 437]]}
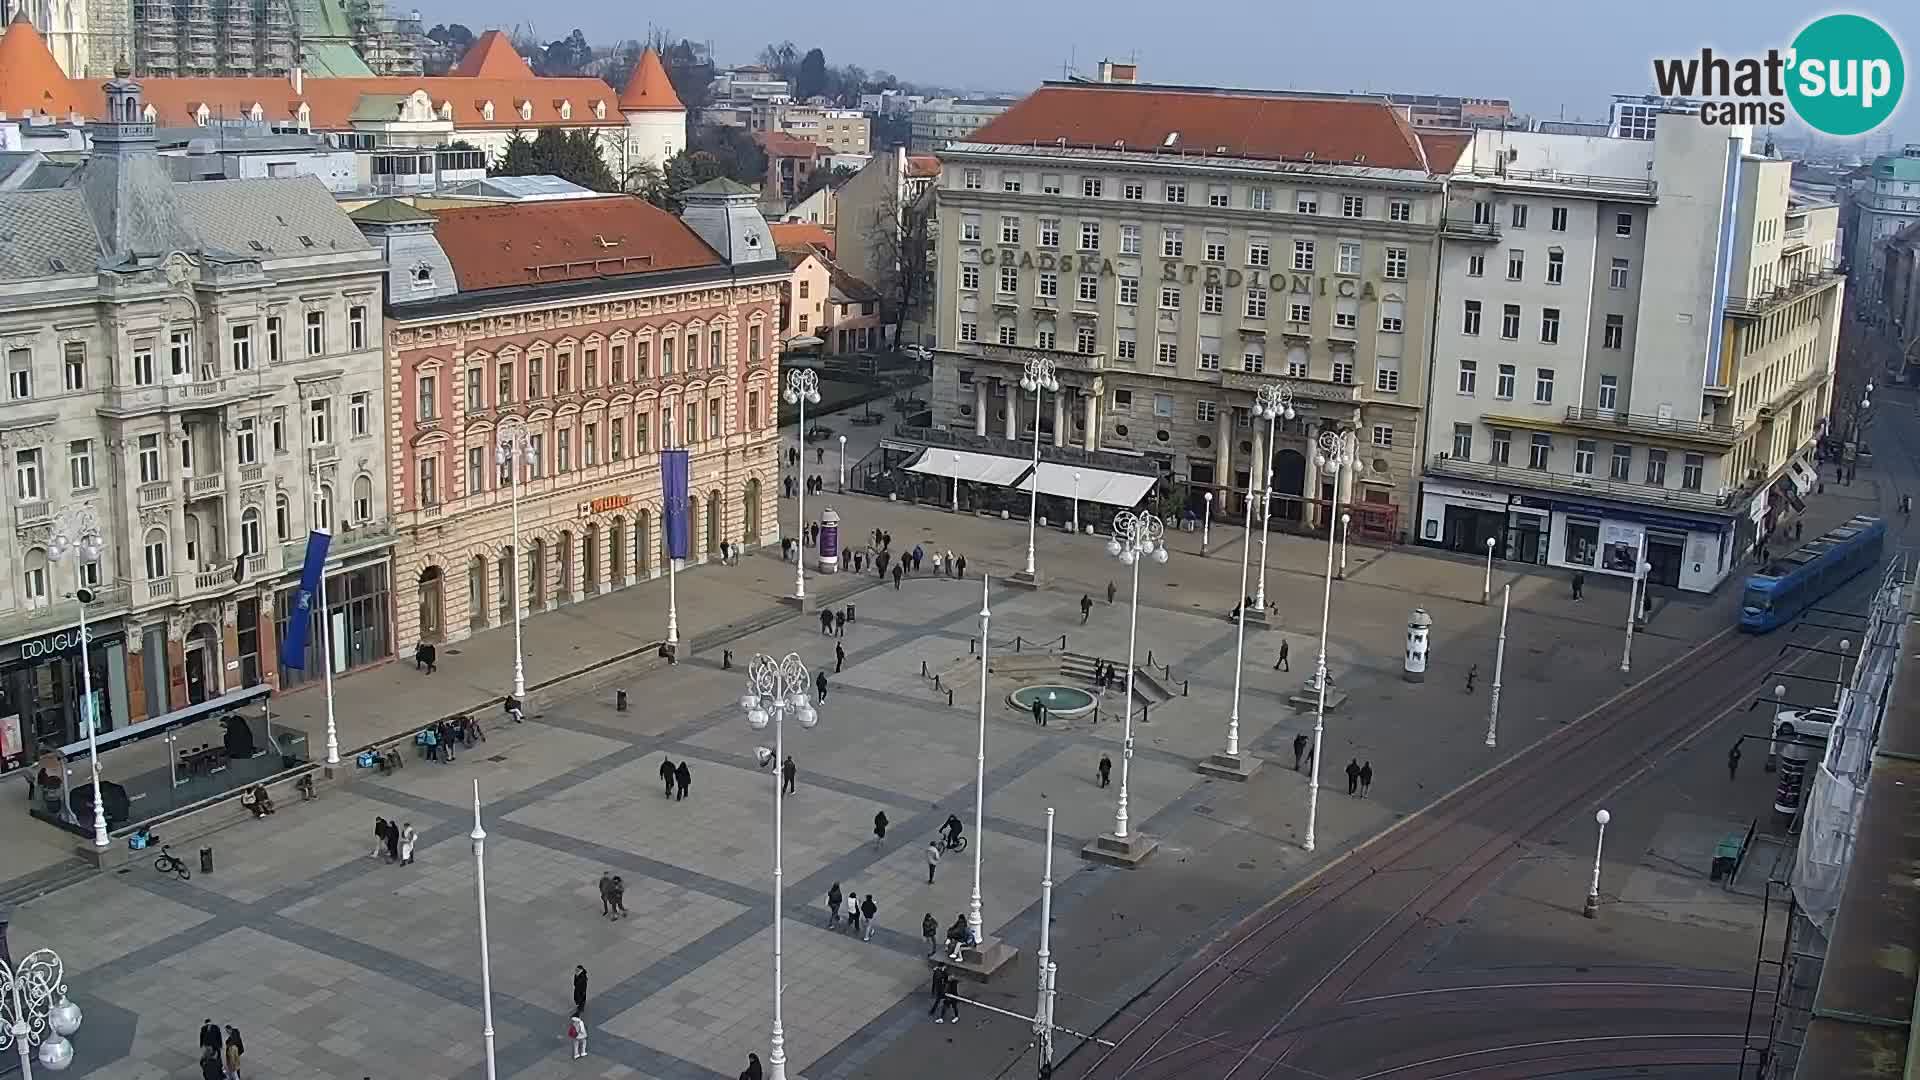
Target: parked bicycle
{"points": [[168, 863]]}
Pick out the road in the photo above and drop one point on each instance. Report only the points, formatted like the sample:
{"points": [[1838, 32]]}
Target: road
{"points": [[1327, 981]]}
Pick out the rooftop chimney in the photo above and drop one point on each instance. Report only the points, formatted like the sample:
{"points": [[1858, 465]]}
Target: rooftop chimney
{"points": [[1111, 72], [299, 81]]}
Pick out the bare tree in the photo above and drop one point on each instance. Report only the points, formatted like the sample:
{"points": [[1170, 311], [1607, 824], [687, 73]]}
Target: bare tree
{"points": [[899, 238]]}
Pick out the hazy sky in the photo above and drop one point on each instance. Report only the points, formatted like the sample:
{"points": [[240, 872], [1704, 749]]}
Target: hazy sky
{"points": [[1544, 56]]}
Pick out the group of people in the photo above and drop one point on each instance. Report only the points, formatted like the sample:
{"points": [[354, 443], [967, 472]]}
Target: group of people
{"points": [[393, 841], [960, 935], [860, 915], [677, 778], [437, 740], [220, 1053], [833, 622], [613, 896], [257, 801]]}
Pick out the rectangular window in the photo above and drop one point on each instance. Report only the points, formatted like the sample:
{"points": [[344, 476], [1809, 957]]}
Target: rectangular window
{"points": [[1620, 468], [1048, 287], [1502, 449], [1049, 232], [427, 475], [1176, 193], [1617, 273], [1254, 358], [273, 339], [1206, 412], [1173, 242], [1399, 210], [1009, 334], [279, 428], [1657, 468], [1353, 206], [1392, 316], [1010, 182], [1090, 187], [972, 180], [180, 353], [562, 372], [1386, 379], [1306, 202], [1049, 184], [1209, 354], [1219, 195], [563, 451], [1163, 404], [1609, 392], [1216, 249], [246, 449], [319, 422], [1346, 314], [476, 389], [1010, 280], [617, 429], [1550, 325], [150, 469], [316, 333], [1539, 451], [359, 412], [969, 331], [1476, 266], [1010, 230], [1692, 468], [357, 327], [80, 463], [1086, 340], [617, 365], [1169, 298], [1299, 311], [1383, 435], [1469, 376], [1260, 198], [1482, 212], [1614, 334], [1623, 224], [1463, 441], [1516, 264], [1303, 255], [143, 372], [1519, 215], [1556, 267], [26, 476], [1256, 302], [1349, 258], [1089, 236], [1470, 317], [970, 277], [1089, 291], [1169, 354], [1504, 382], [969, 232], [1510, 321], [1543, 386], [1583, 457], [240, 346], [1558, 219], [1396, 264], [19, 374], [1133, 191], [1129, 239], [590, 444], [476, 469], [1125, 347], [1297, 365], [1129, 291], [1343, 369]]}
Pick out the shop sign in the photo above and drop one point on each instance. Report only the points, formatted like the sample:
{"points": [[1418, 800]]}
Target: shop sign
{"points": [[1620, 547], [1533, 502], [605, 504], [1491, 499], [54, 644], [1175, 272]]}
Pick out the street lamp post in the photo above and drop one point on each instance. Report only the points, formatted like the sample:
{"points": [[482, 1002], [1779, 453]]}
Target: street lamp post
{"points": [[1344, 530], [1206, 527], [514, 450], [974, 920], [843, 464], [1499, 668], [1043, 1009], [1136, 537], [322, 516], [1076, 502], [1336, 453], [1633, 613], [775, 688], [956, 483], [479, 838], [1272, 403], [1230, 764], [1486, 587], [1038, 377], [803, 386], [34, 1011], [1592, 908], [76, 533]]}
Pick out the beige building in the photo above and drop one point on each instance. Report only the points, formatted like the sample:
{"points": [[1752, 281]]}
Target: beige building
{"points": [[1174, 250], [665, 339]]}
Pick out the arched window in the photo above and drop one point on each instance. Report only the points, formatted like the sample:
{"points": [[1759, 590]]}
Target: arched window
{"points": [[251, 541], [35, 577], [282, 518], [323, 508], [362, 499], [156, 552]]}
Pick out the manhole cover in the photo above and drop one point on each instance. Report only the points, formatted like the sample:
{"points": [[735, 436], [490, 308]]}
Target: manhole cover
{"points": [[498, 757], [1244, 865], [1204, 810]]}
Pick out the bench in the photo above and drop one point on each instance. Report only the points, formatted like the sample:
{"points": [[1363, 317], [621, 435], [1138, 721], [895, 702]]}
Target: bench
{"points": [[1726, 855]]}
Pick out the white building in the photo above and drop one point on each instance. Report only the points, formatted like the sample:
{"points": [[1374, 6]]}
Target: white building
{"points": [[198, 366], [938, 121], [1632, 353], [1887, 204]]}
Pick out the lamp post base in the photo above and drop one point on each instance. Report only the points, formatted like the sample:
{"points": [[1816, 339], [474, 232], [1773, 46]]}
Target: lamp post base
{"points": [[1114, 851], [1240, 767], [799, 603], [1022, 579], [1307, 699], [1592, 907], [981, 962]]}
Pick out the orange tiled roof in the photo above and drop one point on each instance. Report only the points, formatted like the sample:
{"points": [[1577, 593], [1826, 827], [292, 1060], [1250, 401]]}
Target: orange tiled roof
{"points": [[30, 81], [1245, 123], [796, 235], [566, 240], [492, 57], [781, 144], [1444, 148], [648, 88], [920, 165]]}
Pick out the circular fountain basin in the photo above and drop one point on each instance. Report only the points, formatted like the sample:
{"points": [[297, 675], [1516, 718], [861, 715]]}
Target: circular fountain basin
{"points": [[1066, 702]]}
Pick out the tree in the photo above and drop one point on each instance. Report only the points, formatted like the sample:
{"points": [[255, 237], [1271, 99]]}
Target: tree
{"points": [[566, 56], [812, 79], [453, 35], [898, 238], [735, 152], [782, 58], [646, 180], [570, 155], [685, 169], [820, 178]]}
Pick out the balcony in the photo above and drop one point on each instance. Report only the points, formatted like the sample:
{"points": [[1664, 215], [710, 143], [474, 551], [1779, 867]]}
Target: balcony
{"points": [[324, 455], [1304, 389], [31, 513], [1615, 422], [1540, 479], [253, 474], [198, 394], [108, 601], [1010, 354], [202, 486], [1462, 229], [1755, 307], [359, 538], [1620, 188], [155, 494]]}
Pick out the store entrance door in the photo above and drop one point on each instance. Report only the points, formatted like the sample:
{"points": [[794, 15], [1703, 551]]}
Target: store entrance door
{"points": [[1467, 530], [1664, 553]]}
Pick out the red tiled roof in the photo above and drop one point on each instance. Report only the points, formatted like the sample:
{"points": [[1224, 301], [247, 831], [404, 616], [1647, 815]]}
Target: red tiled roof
{"points": [[923, 165], [648, 88], [568, 239], [1444, 148], [794, 235], [1239, 123], [781, 144], [492, 57]]}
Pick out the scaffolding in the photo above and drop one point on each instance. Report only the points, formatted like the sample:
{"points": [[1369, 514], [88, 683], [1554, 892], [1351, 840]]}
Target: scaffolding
{"points": [[169, 38]]}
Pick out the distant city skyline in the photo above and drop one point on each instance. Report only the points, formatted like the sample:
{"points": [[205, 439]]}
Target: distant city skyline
{"points": [[1549, 61]]}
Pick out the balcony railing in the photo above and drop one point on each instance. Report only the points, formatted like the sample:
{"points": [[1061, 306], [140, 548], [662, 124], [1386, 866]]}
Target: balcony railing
{"points": [[1646, 424], [207, 485], [253, 474], [1305, 389], [31, 513], [197, 394], [1754, 307], [108, 600], [1619, 185], [1463, 229], [1461, 468], [155, 494], [1010, 354]]}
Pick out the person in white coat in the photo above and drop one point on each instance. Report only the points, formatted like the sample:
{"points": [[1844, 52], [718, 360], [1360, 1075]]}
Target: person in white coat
{"points": [[408, 838], [577, 1033]]}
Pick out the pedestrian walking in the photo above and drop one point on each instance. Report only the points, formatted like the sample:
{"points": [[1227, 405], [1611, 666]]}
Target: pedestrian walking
{"points": [[896, 579], [682, 779], [408, 838], [579, 989], [752, 1071], [820, 684], [1310, 752], [212, 1066], [960, 567], [1353, 776], [1366, 778], [787, 773], [1579, 585], [840, 624], [577, 1034], [919, 553], [1106, 770], [1299, 749], [210, 1034], [933, 858], [839, 657], [868, 909], [393, 841], [606, 895], [1086, 608], [1733, 762], [941, 1000], [379, 847], [617, 892], [666, 775], [853, 913], [937, 566], [928, 930], [834, 899], [1039, 713], [1473, 672], [879, 828], [236, 1048], [826, 623], [1110, 592], [1281, 663], [819, 455]]}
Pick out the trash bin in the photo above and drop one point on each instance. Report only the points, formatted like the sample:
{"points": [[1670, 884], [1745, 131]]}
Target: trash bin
{"points": [[619, 701], [206, 860]]}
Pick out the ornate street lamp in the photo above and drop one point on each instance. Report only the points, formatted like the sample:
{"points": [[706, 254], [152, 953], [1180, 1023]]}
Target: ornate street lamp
{"points": [[514, 450], [76, 535], [1037, 377], [1136, 537], [1336, 452], [1273, 403], [775, 688], [803, 386], [34, 1011]]}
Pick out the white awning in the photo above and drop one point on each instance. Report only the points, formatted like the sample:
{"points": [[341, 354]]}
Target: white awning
{"points": [[1094, 485], [971, 467]]}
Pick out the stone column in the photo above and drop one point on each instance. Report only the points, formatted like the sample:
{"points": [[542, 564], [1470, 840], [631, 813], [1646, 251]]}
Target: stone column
{"points": [[980, 407], [232, 546], [1093, 419], [1223, 459], [1060, 417], [1257, 468], [1013, 411]]}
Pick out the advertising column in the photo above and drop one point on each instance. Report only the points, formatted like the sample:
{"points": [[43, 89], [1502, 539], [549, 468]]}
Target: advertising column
{"points": [[829, 541]]}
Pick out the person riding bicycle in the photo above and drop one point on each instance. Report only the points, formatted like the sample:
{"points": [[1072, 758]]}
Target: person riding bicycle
{"points": [[952, 831]]}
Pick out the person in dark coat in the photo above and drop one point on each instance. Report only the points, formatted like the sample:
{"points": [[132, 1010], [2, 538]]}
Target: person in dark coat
{"points": [[1281, 663], [1086, 608], [1579, 585], [879, 828], [960, 567], [1353, 776], [211, 1065], [752, 1071], [820, 684], [1106, 770], [787, 772], [379, 837], [839, 657], [1733, 762], [1366, 778], [667, 775], [682, 779], [579, 989], [1299, 750], [393, 842], [210, 1038], [896, 579]]}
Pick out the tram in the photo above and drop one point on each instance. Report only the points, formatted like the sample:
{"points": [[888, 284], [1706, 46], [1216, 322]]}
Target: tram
{"points": [[1791, 583]]}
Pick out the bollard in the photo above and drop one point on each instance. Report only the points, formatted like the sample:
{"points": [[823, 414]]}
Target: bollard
{"points": [[1183, 688], [923, 669], [1149, 657], [619, 701], [206, 860], [726, 659], [1016, 643], [936, 682], [949, 698]]}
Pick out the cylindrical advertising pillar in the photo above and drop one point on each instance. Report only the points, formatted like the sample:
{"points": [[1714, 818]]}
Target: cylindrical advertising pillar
{"points": [[829, 541], [1419, 624]]}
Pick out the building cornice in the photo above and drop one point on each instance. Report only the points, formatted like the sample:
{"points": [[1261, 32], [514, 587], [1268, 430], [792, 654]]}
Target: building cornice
{"points": [[516, 299], [1143, 161]]}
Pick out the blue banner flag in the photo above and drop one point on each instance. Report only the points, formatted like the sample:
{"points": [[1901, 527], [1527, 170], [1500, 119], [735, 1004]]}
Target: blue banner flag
{"points": [[673, 486], [293, 648]]}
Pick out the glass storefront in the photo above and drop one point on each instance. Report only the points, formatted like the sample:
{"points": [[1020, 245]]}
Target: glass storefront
{"points": [[41, 688], [359, 610]]}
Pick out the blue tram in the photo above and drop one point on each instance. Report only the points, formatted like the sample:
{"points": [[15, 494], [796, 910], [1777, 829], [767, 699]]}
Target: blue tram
{"points": [[1791, 583]]}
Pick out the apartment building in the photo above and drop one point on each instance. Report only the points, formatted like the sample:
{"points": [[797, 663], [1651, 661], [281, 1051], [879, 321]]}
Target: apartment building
{"points": [[1634, 343], [936, 122], [1887, 205], [1174, 250], [606, 330], [193, 369]]}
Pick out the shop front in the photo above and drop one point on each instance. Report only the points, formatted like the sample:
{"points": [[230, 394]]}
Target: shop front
{"points": [[1693, 555], [41, 689], [1463, 519], [359, 621]]}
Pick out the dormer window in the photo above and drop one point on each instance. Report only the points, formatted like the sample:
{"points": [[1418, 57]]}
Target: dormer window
{"points": [[566, 110], [305, 115], [526, 110], [422, 276], [486, 110], [599, 110], [202, 114], [446, 110], [257, 114]]}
